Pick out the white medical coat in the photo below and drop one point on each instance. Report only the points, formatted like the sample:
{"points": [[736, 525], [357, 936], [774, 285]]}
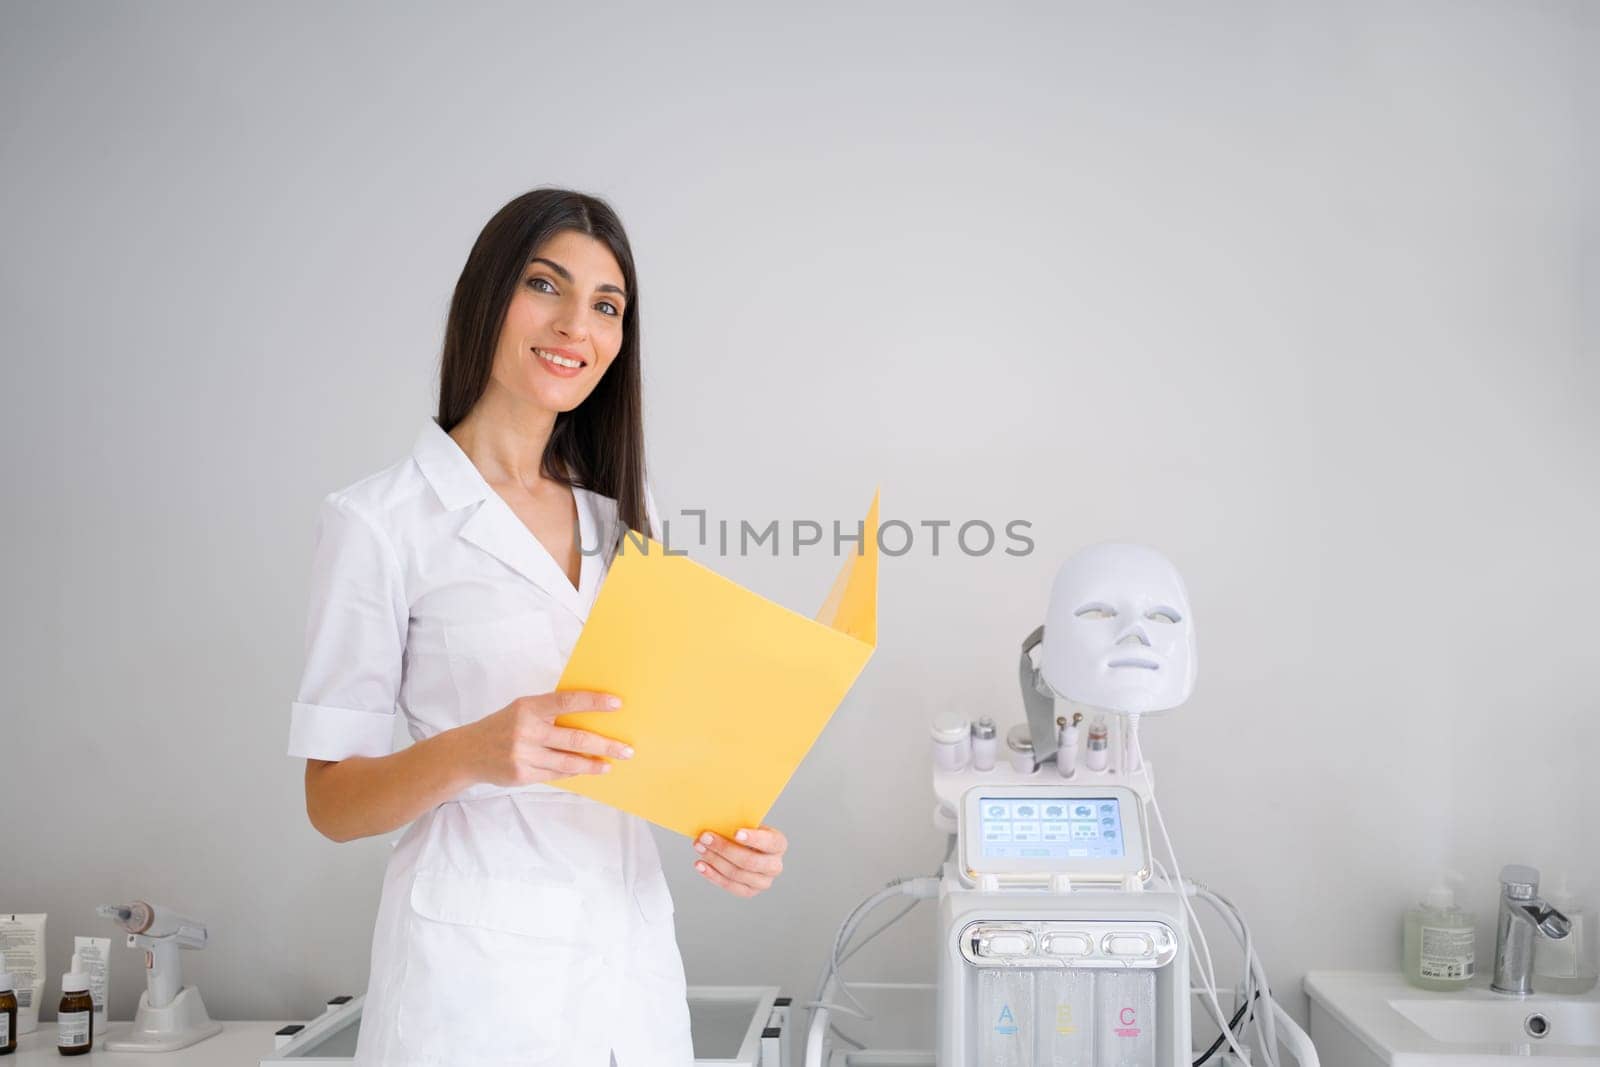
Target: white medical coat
{"points": [[526, 925]]}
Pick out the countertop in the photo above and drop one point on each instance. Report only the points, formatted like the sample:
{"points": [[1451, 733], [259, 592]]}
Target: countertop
{"points": [[243, 1043]]}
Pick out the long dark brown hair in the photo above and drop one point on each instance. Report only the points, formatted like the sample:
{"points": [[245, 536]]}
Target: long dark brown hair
{"points": [[600, 443]]}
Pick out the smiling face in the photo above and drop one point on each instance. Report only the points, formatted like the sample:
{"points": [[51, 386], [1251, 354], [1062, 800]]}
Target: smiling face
{"points": [[563, 326], [1119, 635]]}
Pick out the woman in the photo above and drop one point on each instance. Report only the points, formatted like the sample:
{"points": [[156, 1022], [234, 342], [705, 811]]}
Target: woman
{"points": [[519, 923]]}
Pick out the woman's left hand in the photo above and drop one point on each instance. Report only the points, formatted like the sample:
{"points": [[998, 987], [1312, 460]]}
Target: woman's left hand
{"points": [[744, 866]]}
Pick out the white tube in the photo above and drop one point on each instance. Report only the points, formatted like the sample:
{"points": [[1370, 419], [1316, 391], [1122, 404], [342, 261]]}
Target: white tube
{"points": [[22, 946], [1295, 1039], [817, 1032], [94, 954]]}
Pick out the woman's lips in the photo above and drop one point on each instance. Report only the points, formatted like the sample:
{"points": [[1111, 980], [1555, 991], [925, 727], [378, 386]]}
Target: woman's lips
{"points": [[556, 362]]}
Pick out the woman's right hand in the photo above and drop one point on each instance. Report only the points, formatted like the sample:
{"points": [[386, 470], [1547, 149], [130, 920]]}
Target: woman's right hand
{"points": [[520, 744]]}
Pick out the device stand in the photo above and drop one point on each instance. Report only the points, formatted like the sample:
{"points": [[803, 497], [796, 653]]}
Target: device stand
{"points": [[180, 1024]]}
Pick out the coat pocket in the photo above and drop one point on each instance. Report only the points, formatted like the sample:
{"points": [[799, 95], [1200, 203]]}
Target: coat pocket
{"points": [[494, 663], [494, 968]]}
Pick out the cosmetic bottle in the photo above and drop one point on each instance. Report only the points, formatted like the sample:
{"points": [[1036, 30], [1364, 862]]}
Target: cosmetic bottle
{"points": [[1439, 937], [75, 1016], [984, 744], [1567, 965], [8, 1012]]}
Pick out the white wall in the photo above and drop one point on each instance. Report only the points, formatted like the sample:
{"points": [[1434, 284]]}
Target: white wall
{"points": [[1304, 295]]}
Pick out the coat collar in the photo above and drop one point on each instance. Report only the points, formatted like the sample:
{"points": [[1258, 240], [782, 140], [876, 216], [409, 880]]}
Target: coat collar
{"points": [[495, 528], [453, 477]]}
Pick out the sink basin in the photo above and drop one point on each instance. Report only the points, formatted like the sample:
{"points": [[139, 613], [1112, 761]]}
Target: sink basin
{"points": [[1366, 1020], [1559, 1020]]}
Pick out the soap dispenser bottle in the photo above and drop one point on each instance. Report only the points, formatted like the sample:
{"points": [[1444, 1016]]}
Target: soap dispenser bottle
{"points": [[1567, 965], [1439, 941]]}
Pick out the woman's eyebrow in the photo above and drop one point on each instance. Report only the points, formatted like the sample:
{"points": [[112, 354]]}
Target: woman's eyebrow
{"points": [[565, 275]]}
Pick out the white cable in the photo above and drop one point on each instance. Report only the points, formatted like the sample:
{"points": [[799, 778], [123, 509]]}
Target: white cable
{"points": [[922, 888], [842, 938], [1201, 987], [1194, 888], [1241, 931], [1266, 1028], [1194, 921], [918, 896], [1265, 1021], [859, 945], [919, 888], [1236, 922], [1208, 971], [1255, 969]]}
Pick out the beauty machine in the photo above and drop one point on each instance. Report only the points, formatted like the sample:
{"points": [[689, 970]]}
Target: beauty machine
{"points": [[1052, 951], [1063, 941]]}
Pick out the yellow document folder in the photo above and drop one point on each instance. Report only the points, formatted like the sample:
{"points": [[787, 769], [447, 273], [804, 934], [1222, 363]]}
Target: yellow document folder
{"points": [[723, 691]]}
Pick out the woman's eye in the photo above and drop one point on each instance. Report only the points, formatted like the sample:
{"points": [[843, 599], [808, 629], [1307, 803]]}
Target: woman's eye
{"points": [[608, 308], [541, 285]]}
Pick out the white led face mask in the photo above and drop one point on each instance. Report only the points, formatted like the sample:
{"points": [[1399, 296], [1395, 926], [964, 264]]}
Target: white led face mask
{"points": [[1119, 634]]}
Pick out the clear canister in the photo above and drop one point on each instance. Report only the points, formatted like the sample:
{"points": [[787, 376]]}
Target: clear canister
{"points": [[1005, 1017], [1066, 1017], [1125, 1018]]}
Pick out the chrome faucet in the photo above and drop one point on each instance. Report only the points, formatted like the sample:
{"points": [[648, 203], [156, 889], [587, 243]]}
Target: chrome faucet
{"points": [[1522, 915]]}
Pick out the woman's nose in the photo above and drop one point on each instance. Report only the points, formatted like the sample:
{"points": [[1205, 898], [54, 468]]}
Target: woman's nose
{"points": [[569, 323]]}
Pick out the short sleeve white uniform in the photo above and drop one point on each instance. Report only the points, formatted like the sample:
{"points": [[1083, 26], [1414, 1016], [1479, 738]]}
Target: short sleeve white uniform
{"points": [[526, 925]]}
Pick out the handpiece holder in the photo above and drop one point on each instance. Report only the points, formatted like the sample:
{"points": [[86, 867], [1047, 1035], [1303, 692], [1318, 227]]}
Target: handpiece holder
{"points": [[171, 1015], [1038, 702]]}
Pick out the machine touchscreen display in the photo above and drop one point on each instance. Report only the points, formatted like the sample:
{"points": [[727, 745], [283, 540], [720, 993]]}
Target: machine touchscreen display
{"points": [[1051, 828]]}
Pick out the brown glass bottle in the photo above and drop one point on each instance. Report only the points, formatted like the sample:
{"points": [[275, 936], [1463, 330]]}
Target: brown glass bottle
{"points": [[75, 1016], [8, 1014]]}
